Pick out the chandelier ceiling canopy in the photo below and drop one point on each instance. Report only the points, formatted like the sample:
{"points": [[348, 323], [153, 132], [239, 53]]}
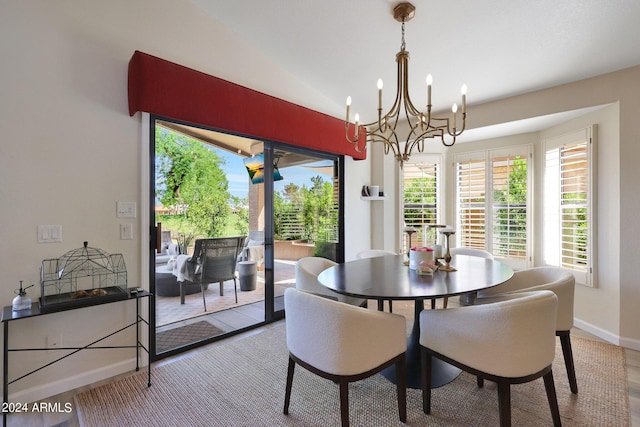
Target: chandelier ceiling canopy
{"points": [[421, 124]]}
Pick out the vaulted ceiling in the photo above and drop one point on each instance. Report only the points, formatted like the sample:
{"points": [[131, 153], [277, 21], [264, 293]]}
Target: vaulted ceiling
{"points": [[499, 48]]}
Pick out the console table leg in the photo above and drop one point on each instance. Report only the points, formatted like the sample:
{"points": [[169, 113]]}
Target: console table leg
{"points": [[5, 371]]}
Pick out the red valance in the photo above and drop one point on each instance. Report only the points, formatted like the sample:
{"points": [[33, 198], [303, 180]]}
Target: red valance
{"points": [[167, 89]]}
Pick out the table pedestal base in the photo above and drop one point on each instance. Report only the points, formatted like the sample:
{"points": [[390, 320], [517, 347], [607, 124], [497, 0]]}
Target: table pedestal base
{"points": [[442, 373]]}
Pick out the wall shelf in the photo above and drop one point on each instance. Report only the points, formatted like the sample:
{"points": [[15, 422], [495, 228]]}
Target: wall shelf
{"points": [[373, 197]]}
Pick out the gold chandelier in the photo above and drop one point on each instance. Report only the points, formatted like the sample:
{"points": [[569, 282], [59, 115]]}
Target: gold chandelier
{"points": [[422, 125]]}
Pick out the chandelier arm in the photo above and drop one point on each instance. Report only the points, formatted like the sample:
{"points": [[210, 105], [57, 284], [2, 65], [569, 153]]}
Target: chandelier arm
{"points": [[388, 143], [464, 123]]}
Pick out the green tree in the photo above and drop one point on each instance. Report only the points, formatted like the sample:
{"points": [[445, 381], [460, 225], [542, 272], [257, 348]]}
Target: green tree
{"points": [[190, 179], [240, 217], [302, 212], [510, 207]]}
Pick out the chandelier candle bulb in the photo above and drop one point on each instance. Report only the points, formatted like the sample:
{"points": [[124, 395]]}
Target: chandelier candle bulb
{"points": [[380, 94], [464, 98], [357, 131], [429, 83], [348, 105], [454, 109]]}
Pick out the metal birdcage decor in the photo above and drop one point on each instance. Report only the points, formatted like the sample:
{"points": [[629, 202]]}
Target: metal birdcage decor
{"points": [[82, 276]]}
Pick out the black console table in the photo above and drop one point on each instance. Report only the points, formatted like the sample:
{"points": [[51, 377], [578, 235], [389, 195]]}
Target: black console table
{"points": [[8, 316]]}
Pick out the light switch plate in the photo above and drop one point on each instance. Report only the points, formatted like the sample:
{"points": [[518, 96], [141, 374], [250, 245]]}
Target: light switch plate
{"points": [[126, 231], [49, 233], [126, 209]]}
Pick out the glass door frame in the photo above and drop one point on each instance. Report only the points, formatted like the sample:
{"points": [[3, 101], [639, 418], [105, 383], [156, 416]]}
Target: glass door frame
{"points": [[269, 160]]}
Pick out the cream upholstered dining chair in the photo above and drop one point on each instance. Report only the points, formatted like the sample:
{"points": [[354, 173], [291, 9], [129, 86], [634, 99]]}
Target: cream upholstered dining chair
{"points": [[344, 344], [307, 270], [469, 298], [373, 253], [562, 283], [510, 341]]}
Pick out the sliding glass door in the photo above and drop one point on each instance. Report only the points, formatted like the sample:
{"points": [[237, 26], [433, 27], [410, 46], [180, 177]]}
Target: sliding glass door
{"points": [[283, 202], [306, 217]]}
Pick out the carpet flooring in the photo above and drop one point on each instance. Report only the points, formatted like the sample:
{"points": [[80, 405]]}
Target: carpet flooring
{"points": [[241, 383], [183, 335]]}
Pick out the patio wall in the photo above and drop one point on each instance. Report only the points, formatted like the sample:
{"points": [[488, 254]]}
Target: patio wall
{"points": [[292, 250]]}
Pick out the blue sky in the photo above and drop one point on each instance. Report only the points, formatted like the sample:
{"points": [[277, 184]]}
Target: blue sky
{"points": [[239, 179]]}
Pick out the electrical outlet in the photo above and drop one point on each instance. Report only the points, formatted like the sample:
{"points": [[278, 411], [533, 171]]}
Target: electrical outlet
{"points": [[126, 209]]}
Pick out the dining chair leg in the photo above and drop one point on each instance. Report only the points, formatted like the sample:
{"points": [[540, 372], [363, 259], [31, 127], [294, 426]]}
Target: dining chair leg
{"points": [[567, 352], [426, 381], [433, 303], [380, 305], [390, 306], [552, 398], [287, 392], [504, 403], [344, 402], [445, 302], [401, 388]]}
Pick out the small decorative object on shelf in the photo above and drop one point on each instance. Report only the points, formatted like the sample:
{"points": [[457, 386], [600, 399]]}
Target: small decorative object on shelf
{"points": [[22, 301], [80, 276], [371, 191], [447, 257]]}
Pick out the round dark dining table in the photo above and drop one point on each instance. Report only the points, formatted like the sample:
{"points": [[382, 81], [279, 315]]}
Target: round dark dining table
{"points": [[388, 278]]}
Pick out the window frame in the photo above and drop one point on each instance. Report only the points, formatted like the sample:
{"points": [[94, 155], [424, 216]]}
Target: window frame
{"points": [[586, 276]]}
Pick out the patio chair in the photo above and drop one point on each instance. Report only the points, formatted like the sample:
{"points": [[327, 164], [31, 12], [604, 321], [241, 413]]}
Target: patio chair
{"points": [[214, 260]]}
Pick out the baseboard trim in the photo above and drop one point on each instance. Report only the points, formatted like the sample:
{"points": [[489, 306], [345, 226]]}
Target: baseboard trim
{"points": [[629, 343], [83, 379]]}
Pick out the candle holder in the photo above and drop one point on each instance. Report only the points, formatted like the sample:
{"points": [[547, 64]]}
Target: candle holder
{"points": [[409, 232], [432, 230], [447, 256]]}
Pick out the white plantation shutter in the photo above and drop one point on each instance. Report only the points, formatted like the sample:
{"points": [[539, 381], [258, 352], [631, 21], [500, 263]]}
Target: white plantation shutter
{"points": [[471, 202], [568, 205], [421, 177], [509, 210], [492, 203]]}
